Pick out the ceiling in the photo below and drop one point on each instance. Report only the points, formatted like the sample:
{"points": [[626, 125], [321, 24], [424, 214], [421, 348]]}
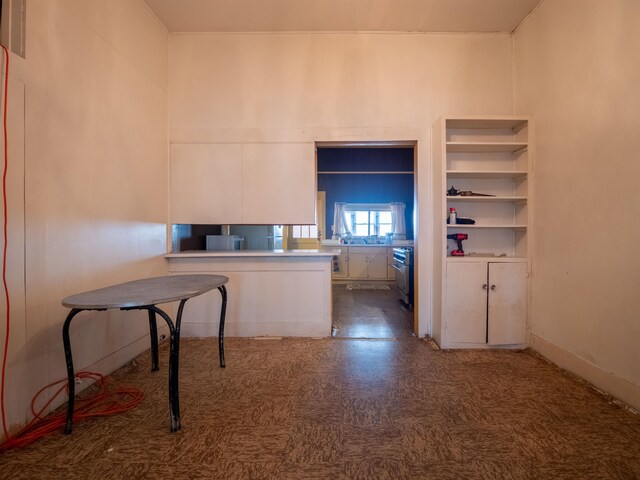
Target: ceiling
{"points": [[341, 15]]}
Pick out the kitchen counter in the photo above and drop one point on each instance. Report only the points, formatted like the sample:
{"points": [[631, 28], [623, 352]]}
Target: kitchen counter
{"points": [[396, 243], [273, 293], [254, 253]]}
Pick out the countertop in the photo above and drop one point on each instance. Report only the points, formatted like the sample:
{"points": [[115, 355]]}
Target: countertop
{"points": [[333, 243], [255, 253]]}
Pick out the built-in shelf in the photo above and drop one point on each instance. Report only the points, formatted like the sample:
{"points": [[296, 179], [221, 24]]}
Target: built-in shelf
{"points": [[484, 147], [489, 155], [459, 226], [500, 198], [490, 258], [482, 295], [367, 173], [486, 123], [492, 174]]}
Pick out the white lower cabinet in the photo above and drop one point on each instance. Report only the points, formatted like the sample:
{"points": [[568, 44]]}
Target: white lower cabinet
{"points": [[485, 304], [377, 268], [358, 265], [364, 263]]}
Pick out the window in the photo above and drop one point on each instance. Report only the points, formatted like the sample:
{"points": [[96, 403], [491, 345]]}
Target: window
{"points": [[367, 222], [304, 231]]}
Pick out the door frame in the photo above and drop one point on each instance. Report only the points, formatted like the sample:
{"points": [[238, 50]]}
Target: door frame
{"points": [[416, 208]]}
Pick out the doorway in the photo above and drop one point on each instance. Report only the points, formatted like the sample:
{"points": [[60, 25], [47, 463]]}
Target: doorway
{"points": [[370, 313], [364, 184]]}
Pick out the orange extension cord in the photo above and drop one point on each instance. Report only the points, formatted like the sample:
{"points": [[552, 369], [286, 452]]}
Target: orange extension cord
{"points": [[103, 402]]}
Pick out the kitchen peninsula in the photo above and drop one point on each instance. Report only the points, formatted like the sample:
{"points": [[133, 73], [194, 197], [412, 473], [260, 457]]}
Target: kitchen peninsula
{"points": [[271, 292]]}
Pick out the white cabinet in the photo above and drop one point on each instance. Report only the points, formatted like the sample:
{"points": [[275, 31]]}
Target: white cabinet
{"points": [[206, 183], [364, 263], [279, 183], [481, 301], [485, 304], [251, 183], [367, 263], [358, 265], [378, 265]]}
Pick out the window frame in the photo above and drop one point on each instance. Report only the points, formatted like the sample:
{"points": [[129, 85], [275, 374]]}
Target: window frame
{"points": [[373, 228]]}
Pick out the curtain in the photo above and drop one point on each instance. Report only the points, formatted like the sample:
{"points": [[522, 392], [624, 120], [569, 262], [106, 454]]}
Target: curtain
{"points": [[340, 224], [397, 221]]}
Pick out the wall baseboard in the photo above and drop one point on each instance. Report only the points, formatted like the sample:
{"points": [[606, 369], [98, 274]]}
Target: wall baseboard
{"points": [[609, 383]]}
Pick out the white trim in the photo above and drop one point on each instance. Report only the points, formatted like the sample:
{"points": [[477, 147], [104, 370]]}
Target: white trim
{"points": [[606, 381]]}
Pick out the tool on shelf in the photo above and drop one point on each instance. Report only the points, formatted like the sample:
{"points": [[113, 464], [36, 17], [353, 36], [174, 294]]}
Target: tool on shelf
{"points": [[458, 237], [454, 192]]}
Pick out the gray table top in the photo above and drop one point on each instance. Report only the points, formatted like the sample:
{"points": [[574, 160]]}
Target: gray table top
{"points": [[147, 291]]}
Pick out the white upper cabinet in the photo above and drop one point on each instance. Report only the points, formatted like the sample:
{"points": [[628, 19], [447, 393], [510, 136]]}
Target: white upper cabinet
{"points": [[251, 183], [279, 183], [206, 183]]}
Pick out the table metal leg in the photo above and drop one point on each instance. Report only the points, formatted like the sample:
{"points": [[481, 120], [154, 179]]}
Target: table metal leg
{"points": [[153, 334], [223, 313], [70, 374], [174, 355]]}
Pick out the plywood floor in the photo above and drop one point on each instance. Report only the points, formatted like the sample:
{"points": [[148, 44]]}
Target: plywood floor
{"points": [[348, 409]]}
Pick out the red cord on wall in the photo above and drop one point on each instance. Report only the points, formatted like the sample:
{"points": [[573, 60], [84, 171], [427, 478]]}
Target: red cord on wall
{"points": [[4, 251]]}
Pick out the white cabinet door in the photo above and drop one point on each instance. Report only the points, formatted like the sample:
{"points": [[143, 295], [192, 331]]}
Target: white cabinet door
{"points": [[279, 183], [465, 311], [378, 266], [206, 183], [358, 266], [507, 303]]}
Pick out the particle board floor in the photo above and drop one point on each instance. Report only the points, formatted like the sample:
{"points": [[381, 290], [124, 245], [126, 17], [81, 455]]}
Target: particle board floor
{"points": [[347, 409]]}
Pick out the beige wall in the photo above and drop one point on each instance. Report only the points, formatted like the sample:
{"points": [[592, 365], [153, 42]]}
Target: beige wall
{"points": [[578, 72], [337, 87], [95, 182]]}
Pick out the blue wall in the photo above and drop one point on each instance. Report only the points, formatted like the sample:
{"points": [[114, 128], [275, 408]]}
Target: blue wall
{"points": [[367, 188]]}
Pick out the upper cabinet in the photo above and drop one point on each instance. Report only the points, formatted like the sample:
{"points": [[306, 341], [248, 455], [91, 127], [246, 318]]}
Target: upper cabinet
{"points": [[206, 183], [253, 183], [279, 183]]}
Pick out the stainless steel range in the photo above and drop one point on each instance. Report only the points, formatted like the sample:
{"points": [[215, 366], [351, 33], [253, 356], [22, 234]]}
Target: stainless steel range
{"points": [[403, 265]]}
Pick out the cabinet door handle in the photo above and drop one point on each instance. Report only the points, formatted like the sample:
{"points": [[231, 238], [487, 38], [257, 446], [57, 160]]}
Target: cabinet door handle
{"points": [[485, 286], [493, 287]]}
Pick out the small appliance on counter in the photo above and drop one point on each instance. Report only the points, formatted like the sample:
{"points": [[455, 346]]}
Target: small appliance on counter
{"points": [[224, 242]]}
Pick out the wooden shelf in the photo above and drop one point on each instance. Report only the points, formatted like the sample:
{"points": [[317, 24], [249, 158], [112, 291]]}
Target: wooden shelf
{"points": [[515, 124], [484, 147], [487, 257], [519, 174], [488, 199], [476, 226]]}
